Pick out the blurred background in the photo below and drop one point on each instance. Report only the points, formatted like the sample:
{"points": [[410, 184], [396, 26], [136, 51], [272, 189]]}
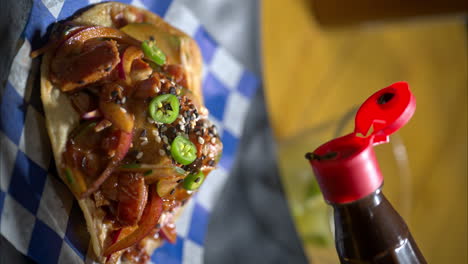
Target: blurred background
{"points": [[321, 59]]}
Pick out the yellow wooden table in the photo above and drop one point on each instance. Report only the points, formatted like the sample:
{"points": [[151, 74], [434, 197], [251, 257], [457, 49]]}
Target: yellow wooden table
{"points": [[315, 77]]}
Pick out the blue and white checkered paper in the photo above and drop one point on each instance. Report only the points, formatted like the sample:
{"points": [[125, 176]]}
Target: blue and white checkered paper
{"points": [[38, 214]]}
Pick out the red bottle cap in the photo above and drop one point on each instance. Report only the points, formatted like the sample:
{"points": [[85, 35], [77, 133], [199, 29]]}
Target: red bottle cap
{"points": [[346, 168]]}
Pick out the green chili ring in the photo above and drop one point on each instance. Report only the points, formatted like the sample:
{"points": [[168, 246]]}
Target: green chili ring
{"points": [[153, 53], [158, 110], [183, 150], [194, 181]]}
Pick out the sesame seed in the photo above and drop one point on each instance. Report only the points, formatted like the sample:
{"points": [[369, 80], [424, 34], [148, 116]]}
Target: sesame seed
{"points": [[213, 140], [143, 133], [163, 80], [155, 132], [197, 133], [211, 155], [201, 140], [143, 138], [162, 152], [197, 180], [163, 129], [178, 91], [139, 155], [180, 180], [150, 120], [144, 142], [165, 140], [131, 145], [182, 127], [168, 147], [194, 116], [158, 139], [172, 191], [123, 110], [124, 100]]}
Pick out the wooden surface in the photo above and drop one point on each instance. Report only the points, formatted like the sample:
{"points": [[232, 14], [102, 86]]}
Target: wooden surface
{"points": [[315, 77]]}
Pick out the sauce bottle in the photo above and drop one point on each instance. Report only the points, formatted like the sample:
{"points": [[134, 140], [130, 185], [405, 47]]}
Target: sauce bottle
{"points": [[367, 228]]}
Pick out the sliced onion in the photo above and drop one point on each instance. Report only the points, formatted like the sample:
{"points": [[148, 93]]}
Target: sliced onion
{"points": [[130, 54], [154, 173], [94, 32], [147, 223], [117, 115], [168, 232]]}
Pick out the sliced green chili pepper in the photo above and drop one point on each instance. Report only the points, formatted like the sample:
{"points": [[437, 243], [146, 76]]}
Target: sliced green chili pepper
{"points": [[69, 175], [194, 181], [183, 150], [131, 166], [164, 108], [153, 53]]}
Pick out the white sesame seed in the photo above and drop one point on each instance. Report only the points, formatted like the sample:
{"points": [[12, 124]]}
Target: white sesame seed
{"points": [[178, 91], [144, 142], [213, 140], [201, 140], [124, 100], [158, 139], [194, 116], [211, 155], [155, 132], [162, 152], [168, 147], [197, 133], [163, 80], [150, 120], [215, 131], [139, 155], [144, 138], [123, 110], [131, 145], [165, 140]]}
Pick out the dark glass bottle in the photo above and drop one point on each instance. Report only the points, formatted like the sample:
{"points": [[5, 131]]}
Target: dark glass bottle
{"points": [[368, 230]]}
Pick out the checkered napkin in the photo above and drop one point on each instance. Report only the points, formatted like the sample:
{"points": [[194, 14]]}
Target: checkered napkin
{"points": [[38, 214]]}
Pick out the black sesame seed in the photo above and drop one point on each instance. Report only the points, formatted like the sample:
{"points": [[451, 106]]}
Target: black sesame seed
{"points": [[158, 226], [172, 90], [172, 191], [114, 94], [151, 38], [197, 180], [143, 133], [180, 180], [81, 82], [211, 163], [108, 69]]}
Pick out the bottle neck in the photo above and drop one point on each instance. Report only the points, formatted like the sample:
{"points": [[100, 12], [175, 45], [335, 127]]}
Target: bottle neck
{"points": [[370, 229]]}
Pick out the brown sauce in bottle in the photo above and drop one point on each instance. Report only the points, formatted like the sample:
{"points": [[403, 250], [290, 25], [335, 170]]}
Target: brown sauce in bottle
{"points": [[369, 230]]}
